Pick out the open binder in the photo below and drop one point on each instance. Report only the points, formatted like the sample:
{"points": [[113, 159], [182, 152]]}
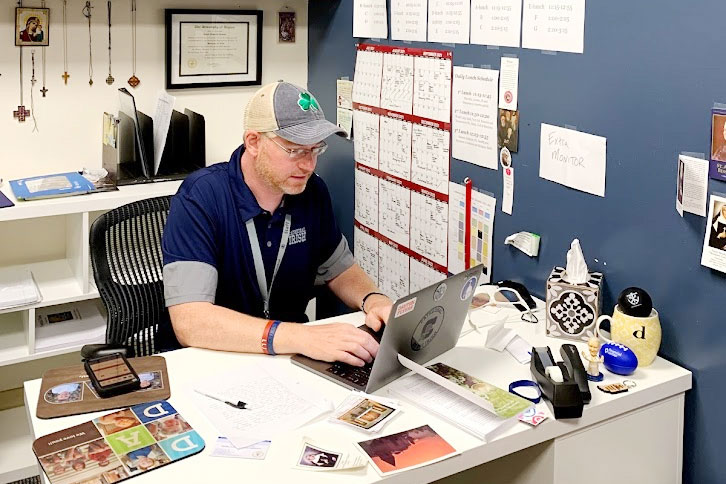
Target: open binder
{"points": [[130, 159]]}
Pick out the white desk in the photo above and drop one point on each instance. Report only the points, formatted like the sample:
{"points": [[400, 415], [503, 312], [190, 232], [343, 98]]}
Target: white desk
{"points": [[637, 435]]}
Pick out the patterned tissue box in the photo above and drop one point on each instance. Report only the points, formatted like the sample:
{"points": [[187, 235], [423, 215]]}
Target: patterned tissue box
{"points": [[573, 309]]}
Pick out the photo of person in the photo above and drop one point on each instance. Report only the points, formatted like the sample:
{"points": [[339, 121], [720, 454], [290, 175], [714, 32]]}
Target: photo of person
{"points": [[405, 450], [366, 414], [718, 135], [31, 26], [287, 26], [168, 427], [85, 463], [508, 130], [681, 170], [151, 381], [146, 458], [117, 421], [65, 393], [717, 238], [315, 457]]}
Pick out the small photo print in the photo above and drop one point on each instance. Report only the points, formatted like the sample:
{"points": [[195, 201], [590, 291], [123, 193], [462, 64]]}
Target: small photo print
{"points": [[65, 393], [508, 130], [116, 422], [714, 243], [31, 26], [168, 427], [146, 458], [93, 462], [316, 457], [366, 414], [151, 381], [718, 135], [287, 26], [406, 450]]}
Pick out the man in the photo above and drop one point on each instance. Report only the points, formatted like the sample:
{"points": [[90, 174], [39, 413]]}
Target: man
{"points": [[246, 242], [33, 30], [717, 239]]}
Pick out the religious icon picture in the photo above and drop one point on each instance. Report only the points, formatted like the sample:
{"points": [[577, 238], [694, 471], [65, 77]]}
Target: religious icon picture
{"points": [[714, 243], [508, 130], [31, 26], [286, 26], [718, 144]]}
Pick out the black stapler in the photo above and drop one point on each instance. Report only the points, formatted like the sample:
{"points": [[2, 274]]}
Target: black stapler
{"points": [[565, 385]]}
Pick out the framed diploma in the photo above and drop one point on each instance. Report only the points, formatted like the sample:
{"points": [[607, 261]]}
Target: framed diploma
{"points": [[213, 48]]}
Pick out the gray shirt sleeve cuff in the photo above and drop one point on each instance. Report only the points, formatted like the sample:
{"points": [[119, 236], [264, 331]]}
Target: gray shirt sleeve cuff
{"points": [[189, 281], [339, 262]]}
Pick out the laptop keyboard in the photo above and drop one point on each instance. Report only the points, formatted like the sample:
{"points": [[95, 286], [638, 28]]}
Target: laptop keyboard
{"points": [[357, 375]]}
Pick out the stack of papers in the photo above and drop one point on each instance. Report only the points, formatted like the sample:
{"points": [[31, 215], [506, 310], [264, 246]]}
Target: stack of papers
{"points": [[69, 325], [17, 288]]}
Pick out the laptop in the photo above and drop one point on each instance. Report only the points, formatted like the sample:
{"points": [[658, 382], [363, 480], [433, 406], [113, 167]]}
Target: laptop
{"points": [[421, 326]]}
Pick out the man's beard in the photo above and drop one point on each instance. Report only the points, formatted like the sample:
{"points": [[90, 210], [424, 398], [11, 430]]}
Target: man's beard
{"points": [[273, 179]]}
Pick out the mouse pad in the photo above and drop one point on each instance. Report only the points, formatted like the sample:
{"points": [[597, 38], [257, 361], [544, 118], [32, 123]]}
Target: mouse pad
{"points": [[68, 391], [118, 446]]}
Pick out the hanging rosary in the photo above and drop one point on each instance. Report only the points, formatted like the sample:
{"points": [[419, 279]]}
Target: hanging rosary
{"points": [[133, 80], [87, 14], [33, 80], [42, 53], [65, 75], [21, 113], [109, 79]]}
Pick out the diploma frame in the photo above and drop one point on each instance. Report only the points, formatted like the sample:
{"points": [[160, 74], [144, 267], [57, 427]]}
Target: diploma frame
{"points": [[237, 61]]}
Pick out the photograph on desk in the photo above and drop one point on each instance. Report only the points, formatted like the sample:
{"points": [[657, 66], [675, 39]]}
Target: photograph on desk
{"points": [[366, 414], [406, 450], [65, 393]]}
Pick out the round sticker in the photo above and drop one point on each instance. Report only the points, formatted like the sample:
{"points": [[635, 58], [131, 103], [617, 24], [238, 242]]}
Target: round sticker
{"points": [[505, 157], [440, 291], [427, 328], [508, 96], [468, 289]]}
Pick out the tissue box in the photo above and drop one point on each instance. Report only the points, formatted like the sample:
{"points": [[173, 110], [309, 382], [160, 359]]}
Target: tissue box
{"points": [[573, 309]]}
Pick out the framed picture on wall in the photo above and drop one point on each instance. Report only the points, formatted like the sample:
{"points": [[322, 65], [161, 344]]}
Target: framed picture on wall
{"points": [[213, 48], [31, 26], [286, 27]]}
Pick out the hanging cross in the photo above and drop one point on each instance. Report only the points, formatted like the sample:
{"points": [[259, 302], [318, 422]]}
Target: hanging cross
{"points": [[21, 113], [44, 90], [65, 77]]}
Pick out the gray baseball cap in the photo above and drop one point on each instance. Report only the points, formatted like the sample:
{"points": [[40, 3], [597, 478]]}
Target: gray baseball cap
{"points": [[290, 112]]}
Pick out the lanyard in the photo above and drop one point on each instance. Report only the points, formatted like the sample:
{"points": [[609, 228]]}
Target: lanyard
{"points": [[265, 290]]}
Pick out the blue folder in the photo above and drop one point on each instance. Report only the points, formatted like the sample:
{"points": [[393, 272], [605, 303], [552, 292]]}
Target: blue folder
{"points": [[49, 186]]}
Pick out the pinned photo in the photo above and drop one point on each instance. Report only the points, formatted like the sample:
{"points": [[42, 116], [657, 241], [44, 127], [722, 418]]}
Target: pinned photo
{"points": [[508, 130], [714, 243], [31, 26], [406, 450], [65, 393]]}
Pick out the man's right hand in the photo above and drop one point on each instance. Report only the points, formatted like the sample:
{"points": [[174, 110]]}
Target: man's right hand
{"points": [[331, 342]]}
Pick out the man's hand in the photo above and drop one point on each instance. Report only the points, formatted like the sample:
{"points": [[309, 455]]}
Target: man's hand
{"points": [[377, 309], [721, 235], [331, 342]]}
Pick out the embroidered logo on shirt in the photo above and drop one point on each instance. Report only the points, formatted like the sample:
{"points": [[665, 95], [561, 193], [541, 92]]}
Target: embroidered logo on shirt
{"points": [[297, 236]]}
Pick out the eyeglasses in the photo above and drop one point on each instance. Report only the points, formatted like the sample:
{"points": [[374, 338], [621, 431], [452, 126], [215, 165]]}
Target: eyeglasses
{"points": [[299, 153], [492, 296]]}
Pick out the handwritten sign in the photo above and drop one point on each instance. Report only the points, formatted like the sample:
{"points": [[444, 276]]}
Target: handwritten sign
{"points": [[573, 159]]}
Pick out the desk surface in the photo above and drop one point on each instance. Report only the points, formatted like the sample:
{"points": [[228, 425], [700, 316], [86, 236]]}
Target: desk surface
{"points": [[660, 380]]}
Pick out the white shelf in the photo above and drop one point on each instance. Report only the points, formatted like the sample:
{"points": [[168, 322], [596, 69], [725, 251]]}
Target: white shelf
{"points": [[17, 460]]}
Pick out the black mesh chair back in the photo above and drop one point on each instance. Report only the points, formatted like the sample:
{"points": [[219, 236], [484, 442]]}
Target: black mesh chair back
{"points": [[125, 247]]}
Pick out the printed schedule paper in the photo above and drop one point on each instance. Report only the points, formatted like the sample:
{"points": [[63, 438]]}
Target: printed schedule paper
{"points": [[408, 20], [397, 84], [496, 22], [557, 25], [473, 124], [574, 159], [432, 87], [368, 77], [370, 19], [449, 21]]}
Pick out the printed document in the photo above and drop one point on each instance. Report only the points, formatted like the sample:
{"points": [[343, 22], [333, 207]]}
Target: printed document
{"points": [[496, 22], [557, 25], [449, 21], [408, 20], [370, 19]]}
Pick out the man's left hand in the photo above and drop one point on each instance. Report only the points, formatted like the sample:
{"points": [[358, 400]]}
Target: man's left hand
{"points": [[378, 307]]}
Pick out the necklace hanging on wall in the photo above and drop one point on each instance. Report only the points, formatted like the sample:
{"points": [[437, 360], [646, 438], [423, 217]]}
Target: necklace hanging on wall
{"points": [[65, 75], [87, 13], [109, 79], [42, 53], [33, 81], [21, 113], [133, 80]]}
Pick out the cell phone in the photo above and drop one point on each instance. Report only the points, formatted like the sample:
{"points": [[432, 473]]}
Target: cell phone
{"points": [[112, 375]]}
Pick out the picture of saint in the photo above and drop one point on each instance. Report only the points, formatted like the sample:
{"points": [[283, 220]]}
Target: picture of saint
{"points": [[718, 135], [717, 239], [287, 27], [31, 26], [314, 457]]}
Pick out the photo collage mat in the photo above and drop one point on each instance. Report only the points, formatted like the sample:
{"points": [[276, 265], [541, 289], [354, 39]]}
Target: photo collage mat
{"points": [[117, 446]]}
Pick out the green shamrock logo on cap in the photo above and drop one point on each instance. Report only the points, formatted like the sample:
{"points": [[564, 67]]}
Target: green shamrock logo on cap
{"points": [[307, 101]]}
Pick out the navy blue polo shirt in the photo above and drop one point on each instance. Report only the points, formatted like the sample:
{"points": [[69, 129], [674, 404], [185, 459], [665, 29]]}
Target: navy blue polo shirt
{"points": [[207, 252]]}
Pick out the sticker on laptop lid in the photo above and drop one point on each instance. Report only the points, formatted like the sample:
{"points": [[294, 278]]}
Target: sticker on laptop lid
{"points": [[427, 328], [405, 307], [440, 291], [468, 288]]}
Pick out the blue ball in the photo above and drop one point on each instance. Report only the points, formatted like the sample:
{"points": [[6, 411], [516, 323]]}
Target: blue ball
{"points": [[618, 358]]}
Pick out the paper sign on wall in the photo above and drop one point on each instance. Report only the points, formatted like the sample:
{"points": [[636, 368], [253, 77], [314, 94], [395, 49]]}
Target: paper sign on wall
{"points": [[509, 83], [496, 22], [554, 25], [573, 159], [449, 21], [692, 187], [370, 19], [408, 20]]}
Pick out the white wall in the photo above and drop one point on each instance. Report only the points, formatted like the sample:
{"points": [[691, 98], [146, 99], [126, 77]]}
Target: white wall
{"points": [[69, 118]]}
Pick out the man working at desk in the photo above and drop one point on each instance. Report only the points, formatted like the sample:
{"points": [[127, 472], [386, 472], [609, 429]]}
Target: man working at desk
{"points": [[246, 242]]}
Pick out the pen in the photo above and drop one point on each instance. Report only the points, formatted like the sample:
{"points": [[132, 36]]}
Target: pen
{"points": [[240, 404]]}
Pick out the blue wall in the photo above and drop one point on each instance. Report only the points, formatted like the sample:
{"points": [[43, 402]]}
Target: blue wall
{"points": [[650, 73]]}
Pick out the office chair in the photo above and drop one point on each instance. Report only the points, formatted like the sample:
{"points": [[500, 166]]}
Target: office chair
{"points": [[125, 246]]}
